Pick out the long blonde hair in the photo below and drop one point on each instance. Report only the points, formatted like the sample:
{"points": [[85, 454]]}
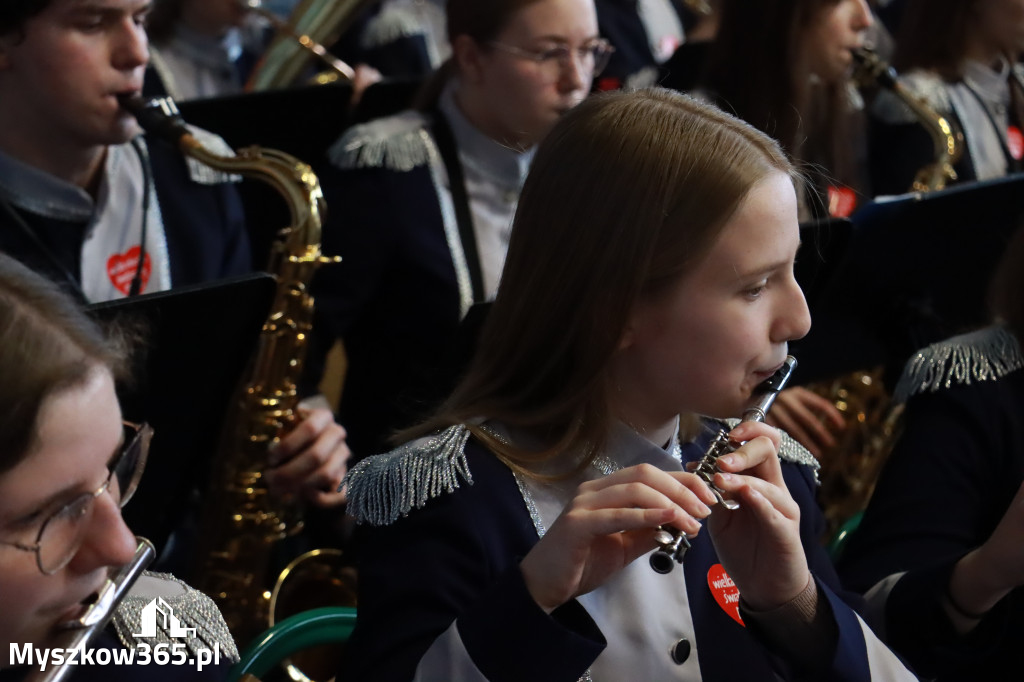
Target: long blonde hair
{"points": [[626, 194]]}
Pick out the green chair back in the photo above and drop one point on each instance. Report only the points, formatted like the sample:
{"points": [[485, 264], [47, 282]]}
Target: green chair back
{"points": [[293, 634], [839, 540]]}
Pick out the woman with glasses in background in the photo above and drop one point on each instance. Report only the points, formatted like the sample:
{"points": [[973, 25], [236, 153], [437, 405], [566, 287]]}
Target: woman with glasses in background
{"points": [[422, 202], [67, 465]]}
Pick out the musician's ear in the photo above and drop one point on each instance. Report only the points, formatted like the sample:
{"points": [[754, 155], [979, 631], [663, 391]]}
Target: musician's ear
{"points": [[467, 55]]}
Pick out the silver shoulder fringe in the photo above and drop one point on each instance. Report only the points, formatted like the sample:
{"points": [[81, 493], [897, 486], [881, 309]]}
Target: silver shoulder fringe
{"points": [[385, 487], [399, 143], [984, 355], [790, 450], [191, 608], [390, 25]]}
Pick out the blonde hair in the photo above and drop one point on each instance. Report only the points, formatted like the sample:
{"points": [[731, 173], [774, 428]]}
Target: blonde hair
{"points": [[626, 194]]}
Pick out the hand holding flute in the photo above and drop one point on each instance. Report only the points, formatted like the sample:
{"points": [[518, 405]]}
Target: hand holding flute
{"points": [[611, 521], [673, 542]]}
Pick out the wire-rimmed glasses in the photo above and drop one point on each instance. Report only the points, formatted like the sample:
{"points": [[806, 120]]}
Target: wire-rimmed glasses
{"points": [[62, 533], [554, 61]]}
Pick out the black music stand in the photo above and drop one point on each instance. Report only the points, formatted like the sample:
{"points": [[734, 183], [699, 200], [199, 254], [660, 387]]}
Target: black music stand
{"points": [[198, 343], [387, 97], [823, 245], [301, 121], [916, 271]]}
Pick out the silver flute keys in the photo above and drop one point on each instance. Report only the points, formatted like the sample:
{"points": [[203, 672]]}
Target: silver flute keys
{"points": [[79, 633], [672, 542]]}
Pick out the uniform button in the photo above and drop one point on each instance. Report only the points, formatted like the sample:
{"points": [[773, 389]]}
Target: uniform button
{"points": [[681, 651]]}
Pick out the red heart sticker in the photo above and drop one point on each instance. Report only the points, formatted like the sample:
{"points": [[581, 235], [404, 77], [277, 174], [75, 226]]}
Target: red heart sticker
{"points": [[667, 46], [1015, 142], [725, 592], [121, 269], [841, 201]]}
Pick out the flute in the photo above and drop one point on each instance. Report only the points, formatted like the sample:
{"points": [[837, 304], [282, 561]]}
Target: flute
{"points": [[80, 632], [672, 542]]}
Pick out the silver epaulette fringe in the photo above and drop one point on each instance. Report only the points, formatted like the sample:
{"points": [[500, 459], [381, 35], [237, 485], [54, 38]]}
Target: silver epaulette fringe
{"points": [[984, 355], [390, 25], [790, 450], [398, 143], [193, 611], [385, 487]]}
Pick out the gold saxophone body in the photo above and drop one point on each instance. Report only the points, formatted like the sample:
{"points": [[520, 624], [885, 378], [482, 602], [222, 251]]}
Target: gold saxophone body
{"points": [[948, 141], [241, 522]]}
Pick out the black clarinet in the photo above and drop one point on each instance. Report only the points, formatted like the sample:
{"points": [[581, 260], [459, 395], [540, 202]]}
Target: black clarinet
{"points": [[672, 542]]}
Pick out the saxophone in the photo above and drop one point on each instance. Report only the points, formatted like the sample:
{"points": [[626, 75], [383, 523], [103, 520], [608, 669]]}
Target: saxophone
{"points": [[850, 469], [241, 521], [948, 142]]}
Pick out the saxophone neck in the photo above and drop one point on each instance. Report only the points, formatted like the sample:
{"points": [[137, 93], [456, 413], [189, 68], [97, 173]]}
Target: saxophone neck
{"points": [[870, 68], [291, 178], [947, 141], [158, 116]]}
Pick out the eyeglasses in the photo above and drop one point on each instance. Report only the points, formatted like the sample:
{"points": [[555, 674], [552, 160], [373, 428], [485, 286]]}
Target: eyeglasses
{"points": [[63, 532], [553, 61]]}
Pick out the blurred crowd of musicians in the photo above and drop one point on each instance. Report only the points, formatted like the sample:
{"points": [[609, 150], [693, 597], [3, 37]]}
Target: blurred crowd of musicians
{"points": [[567, 232]]}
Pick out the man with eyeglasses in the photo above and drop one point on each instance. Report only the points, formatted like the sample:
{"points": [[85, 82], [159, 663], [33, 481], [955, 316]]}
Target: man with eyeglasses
{"points": [[90, 202], [422, 203]]}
